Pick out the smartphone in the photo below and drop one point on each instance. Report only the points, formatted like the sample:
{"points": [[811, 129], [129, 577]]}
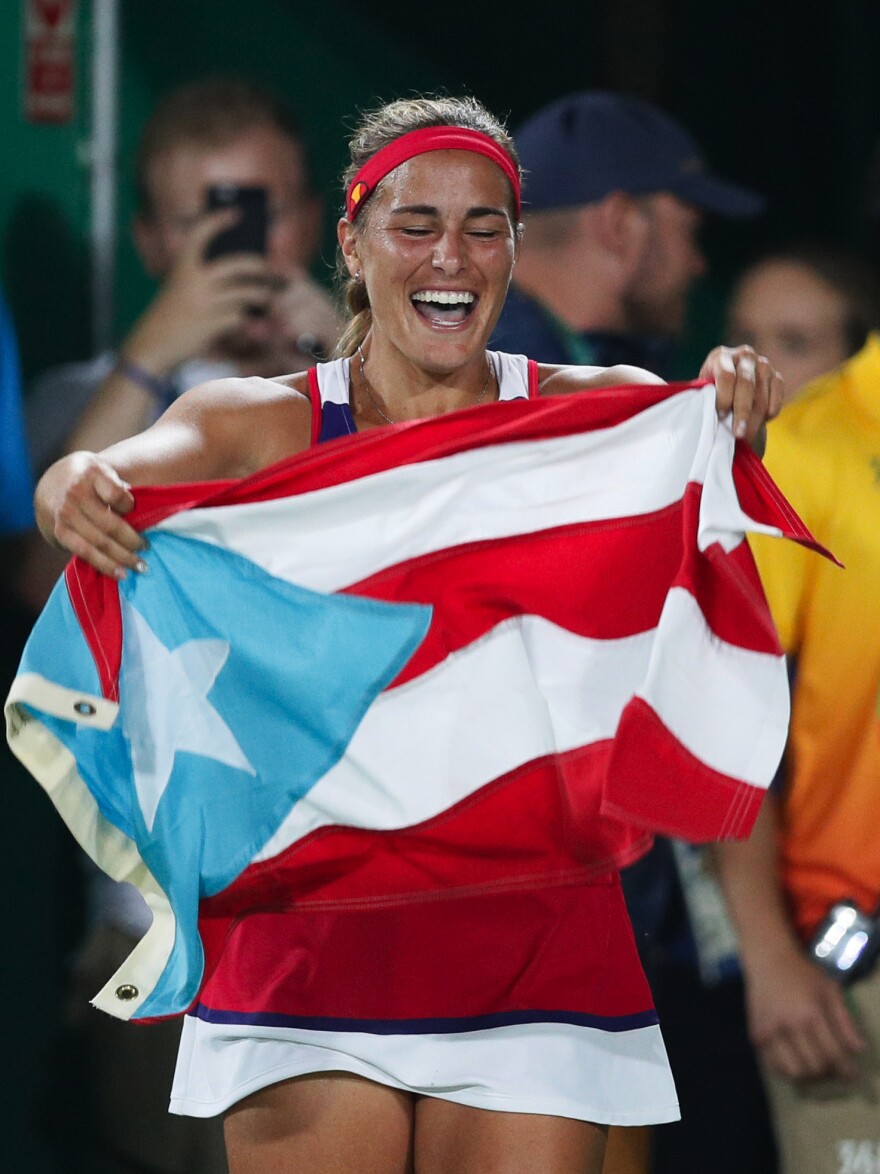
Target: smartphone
{"points": [[248, 234]]}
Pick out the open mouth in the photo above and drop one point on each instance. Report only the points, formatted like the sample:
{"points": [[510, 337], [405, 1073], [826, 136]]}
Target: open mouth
{"points": [[444, 307]]}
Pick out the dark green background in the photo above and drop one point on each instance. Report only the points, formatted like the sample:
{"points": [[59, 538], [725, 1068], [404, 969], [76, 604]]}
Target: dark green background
{"points": [[782, 96]]}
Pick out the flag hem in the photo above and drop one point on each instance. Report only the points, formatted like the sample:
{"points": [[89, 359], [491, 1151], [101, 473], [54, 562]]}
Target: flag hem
{"points": [[54, 768]]}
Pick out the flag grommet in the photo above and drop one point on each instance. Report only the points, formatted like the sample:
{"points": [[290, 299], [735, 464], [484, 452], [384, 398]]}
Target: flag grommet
{"points": [[127, 992], [85, 708]]}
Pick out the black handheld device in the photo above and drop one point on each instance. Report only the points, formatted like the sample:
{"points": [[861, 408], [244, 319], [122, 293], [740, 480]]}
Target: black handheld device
{"points": [[248, 234]]}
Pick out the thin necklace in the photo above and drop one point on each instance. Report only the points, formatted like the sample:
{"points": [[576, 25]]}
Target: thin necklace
{"points": [[369, 389]]}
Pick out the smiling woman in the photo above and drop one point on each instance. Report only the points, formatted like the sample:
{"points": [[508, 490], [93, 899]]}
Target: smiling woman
{"points": [[446, 1027], [428, 246]]}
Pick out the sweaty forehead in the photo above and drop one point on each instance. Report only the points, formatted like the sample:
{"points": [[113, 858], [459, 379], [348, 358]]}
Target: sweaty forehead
{"points": [[447, 180]]}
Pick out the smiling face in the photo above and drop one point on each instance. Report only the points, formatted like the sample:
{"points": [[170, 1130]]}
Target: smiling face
{"points": [[436, 246]]}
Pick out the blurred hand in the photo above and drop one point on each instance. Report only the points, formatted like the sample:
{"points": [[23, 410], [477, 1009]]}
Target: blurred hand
{"points": [[308, 320], [747, 385], [799, 1021], [80, 503], [200, 300]]}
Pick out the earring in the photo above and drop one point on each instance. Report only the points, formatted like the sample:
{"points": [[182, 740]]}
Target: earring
{"points": [[358, 276]]}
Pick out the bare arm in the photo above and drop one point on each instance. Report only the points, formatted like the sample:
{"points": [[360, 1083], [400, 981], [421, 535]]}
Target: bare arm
{"points": [[225, 429], [798, 1018], [565, 380]]}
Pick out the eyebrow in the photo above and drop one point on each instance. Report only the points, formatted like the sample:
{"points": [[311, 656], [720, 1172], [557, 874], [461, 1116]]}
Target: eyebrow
{"points": [[430, 210]]}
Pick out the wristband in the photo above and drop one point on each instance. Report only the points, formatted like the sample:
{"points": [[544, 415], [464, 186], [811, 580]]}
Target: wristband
{"points": [[161, 389]]}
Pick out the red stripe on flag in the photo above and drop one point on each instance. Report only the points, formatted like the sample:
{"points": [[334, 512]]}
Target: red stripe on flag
{"points": [[488, 841], [623, 567], [488, 857], [761, 498], [725, 584], [653, 780], [95, 601]]}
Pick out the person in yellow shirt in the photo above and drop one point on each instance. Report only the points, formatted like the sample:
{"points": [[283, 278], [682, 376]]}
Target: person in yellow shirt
{"points": [[817, 841]]}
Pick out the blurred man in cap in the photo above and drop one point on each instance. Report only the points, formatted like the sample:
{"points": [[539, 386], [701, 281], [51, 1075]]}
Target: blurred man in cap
{"points": [[615, 194]]}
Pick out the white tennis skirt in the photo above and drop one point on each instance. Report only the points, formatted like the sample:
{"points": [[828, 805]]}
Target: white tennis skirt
{"points": [[518, 1001]]}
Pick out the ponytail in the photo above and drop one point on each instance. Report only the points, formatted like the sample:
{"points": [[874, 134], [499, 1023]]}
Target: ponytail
{"points": [[357, 300]]}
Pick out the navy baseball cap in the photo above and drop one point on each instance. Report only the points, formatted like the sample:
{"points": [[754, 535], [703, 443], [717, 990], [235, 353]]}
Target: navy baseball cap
{"points": [[584, 146]]}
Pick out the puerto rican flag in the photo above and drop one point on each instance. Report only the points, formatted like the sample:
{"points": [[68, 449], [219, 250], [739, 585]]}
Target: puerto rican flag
{"points": [[488, 651]]}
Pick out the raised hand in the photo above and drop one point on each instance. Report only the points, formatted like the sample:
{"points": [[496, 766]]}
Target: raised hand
{"points": [[200, 300], [747, 385]]}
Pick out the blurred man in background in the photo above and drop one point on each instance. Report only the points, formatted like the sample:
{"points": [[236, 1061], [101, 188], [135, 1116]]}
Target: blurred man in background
{"points": [[241, 313], [615, 194], [244, 312]]}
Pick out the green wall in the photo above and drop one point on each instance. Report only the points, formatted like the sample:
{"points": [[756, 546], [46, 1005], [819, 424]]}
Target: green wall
{"points": [[43, 213], [326, 61], [784, 97]]}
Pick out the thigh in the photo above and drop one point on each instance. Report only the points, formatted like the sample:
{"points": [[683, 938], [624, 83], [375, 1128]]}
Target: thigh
{"points": [[457, 1139], [324, 1123], [628, 1150]]}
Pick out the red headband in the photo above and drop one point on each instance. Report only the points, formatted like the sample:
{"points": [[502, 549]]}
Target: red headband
{"points": [[417, 142]]}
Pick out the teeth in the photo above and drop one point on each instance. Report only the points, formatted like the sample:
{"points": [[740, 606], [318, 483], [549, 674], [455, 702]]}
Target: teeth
{"points": [[446, 297]]}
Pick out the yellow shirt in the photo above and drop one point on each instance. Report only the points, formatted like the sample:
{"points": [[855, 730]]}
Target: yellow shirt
{"points": [[824, 452]]}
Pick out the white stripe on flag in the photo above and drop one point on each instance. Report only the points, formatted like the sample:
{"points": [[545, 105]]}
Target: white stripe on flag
{"points": [[345, 533], [437, 739], [430, 743], [708, 693]]}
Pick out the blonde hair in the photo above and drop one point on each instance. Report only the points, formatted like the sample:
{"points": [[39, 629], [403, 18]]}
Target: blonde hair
{"points": [[376, 130]]}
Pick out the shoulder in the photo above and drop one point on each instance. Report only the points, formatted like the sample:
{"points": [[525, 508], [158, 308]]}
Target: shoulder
{"points": [[565, 380], [246, 393], [258, 421]]}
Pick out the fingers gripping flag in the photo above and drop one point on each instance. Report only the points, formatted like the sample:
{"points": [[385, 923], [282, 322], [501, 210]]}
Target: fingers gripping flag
{"points": [[371, 634]]}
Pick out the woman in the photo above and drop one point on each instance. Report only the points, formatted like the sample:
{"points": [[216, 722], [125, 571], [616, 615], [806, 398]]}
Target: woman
{"points": [[807, 309], [429, 240]]}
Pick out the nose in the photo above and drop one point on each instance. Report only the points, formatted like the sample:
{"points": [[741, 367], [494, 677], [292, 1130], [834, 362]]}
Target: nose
{"points": [[448, 254]]}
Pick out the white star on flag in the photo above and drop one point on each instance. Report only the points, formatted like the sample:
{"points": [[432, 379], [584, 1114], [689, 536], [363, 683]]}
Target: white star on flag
{"points": [[174, 713]]}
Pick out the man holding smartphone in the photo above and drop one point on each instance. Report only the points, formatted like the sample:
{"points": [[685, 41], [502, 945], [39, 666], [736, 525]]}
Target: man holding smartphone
{"points": [[228, 222]]}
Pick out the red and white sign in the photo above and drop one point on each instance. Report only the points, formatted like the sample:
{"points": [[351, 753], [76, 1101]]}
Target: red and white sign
{"points": [[49, 60]]}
